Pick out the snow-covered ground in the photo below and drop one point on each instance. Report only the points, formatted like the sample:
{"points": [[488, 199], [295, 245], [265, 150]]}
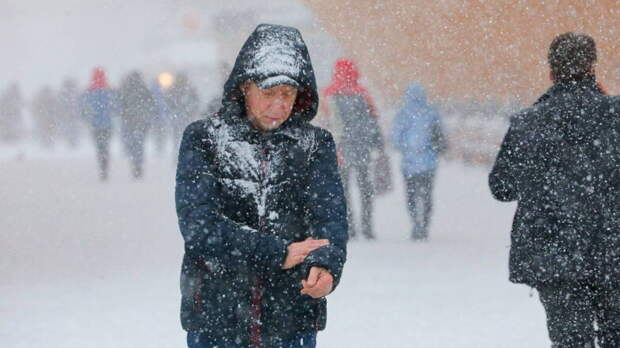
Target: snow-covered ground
{"points": [[90, 264]]}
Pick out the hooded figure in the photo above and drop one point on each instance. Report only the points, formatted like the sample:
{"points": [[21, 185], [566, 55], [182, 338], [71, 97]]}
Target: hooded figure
{"points": [[353, 118], [418, 134], [97, 107], [183, 102], [137, 109], [248, 196]]}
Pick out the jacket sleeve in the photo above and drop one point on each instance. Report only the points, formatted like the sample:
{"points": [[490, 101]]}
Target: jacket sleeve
{"points": [[398, 130], [327, 210], [208, 234], [505, 177]]}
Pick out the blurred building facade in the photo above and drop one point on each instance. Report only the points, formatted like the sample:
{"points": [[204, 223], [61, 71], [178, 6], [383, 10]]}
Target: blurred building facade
{"points": [[468, 49]]}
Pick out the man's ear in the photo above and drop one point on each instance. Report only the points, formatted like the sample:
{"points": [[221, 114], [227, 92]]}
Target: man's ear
{"points": [[551, 75]]}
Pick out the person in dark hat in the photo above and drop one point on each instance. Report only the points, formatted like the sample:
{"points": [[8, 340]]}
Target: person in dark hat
{"points": [[559, 161], [260, 205]]}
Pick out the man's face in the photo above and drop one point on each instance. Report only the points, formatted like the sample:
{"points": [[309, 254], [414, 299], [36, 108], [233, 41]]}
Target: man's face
{"points": [[268, 108]]}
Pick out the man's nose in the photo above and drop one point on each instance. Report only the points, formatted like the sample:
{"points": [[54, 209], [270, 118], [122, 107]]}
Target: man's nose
{"points": [[280, 103]]}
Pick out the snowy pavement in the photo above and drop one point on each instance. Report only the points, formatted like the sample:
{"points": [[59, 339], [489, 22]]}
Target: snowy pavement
{"points": [[90, 264]]}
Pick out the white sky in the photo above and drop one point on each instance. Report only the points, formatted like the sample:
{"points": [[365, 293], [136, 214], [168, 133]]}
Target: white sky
{"points": [[44, 42]]}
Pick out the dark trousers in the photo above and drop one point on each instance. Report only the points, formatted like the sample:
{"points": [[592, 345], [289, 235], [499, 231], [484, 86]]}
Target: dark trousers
{"points": [[420, 201], [102, 145], [573, 309], [196, 340], [364, 183], [133, 139]]}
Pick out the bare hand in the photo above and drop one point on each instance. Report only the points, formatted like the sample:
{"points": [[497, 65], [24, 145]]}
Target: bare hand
{"points": [[297, 252], [319, 283]]}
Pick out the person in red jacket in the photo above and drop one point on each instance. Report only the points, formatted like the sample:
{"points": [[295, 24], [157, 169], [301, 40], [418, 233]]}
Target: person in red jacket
{"points": [[352, 117]]}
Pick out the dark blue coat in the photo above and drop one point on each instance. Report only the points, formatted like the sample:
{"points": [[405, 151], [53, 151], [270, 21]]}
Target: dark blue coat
{"points": [[243, 196], [560, 161]]}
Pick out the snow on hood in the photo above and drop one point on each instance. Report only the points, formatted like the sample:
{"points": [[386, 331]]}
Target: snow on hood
{"points": [[275, 51]]}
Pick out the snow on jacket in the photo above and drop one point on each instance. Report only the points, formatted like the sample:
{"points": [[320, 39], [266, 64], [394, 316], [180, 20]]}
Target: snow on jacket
{"points": [[560, 160], [417, 132], [242, 196]]}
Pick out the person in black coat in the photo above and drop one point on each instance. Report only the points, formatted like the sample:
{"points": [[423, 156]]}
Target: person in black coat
{"points": [[137, 110], [260, 205], [560, 160]]}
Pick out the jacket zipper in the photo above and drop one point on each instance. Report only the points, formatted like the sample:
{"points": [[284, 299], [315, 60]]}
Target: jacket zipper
{"points": [[255, 329]]}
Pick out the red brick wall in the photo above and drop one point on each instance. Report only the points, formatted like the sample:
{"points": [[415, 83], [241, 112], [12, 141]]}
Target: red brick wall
{"points": [[468, 48]]}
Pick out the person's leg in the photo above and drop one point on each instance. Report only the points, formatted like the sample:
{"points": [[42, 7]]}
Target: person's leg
{"points": [[414, 200], [135, 149], [608, 317], [345, 174], [364, 183], [570, 315], [410, 193], [138, 154], [102, 144], [426, 197]]}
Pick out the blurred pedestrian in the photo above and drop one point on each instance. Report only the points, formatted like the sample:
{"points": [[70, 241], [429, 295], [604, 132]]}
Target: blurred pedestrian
{"points": [[417, 133], [97, 107], [352, 117], [184, 103], [161, 127], [137, 110]]}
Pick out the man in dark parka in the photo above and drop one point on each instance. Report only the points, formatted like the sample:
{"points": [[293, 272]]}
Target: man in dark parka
{"points": [[260, 205], [560, 161]]}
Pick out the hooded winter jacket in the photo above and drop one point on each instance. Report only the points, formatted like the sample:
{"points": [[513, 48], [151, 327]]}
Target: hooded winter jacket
{"points": [[417, 133], [243, 196], [97, 103], [560, 160], [354, 115]]}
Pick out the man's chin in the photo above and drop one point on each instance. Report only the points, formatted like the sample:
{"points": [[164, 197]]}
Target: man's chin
{"points": [[271, 125]]}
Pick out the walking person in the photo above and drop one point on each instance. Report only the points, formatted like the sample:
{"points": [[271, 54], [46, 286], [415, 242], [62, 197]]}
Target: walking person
{"points": [[160, 123], [97, 107], [417, 133], [260, 205], [137, 110], [183, 103], [559, 160], [353, 118]]}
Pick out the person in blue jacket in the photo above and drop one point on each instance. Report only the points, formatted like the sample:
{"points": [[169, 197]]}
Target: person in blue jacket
{"points": [[417, 133], [97, 107], [260, 205]]}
